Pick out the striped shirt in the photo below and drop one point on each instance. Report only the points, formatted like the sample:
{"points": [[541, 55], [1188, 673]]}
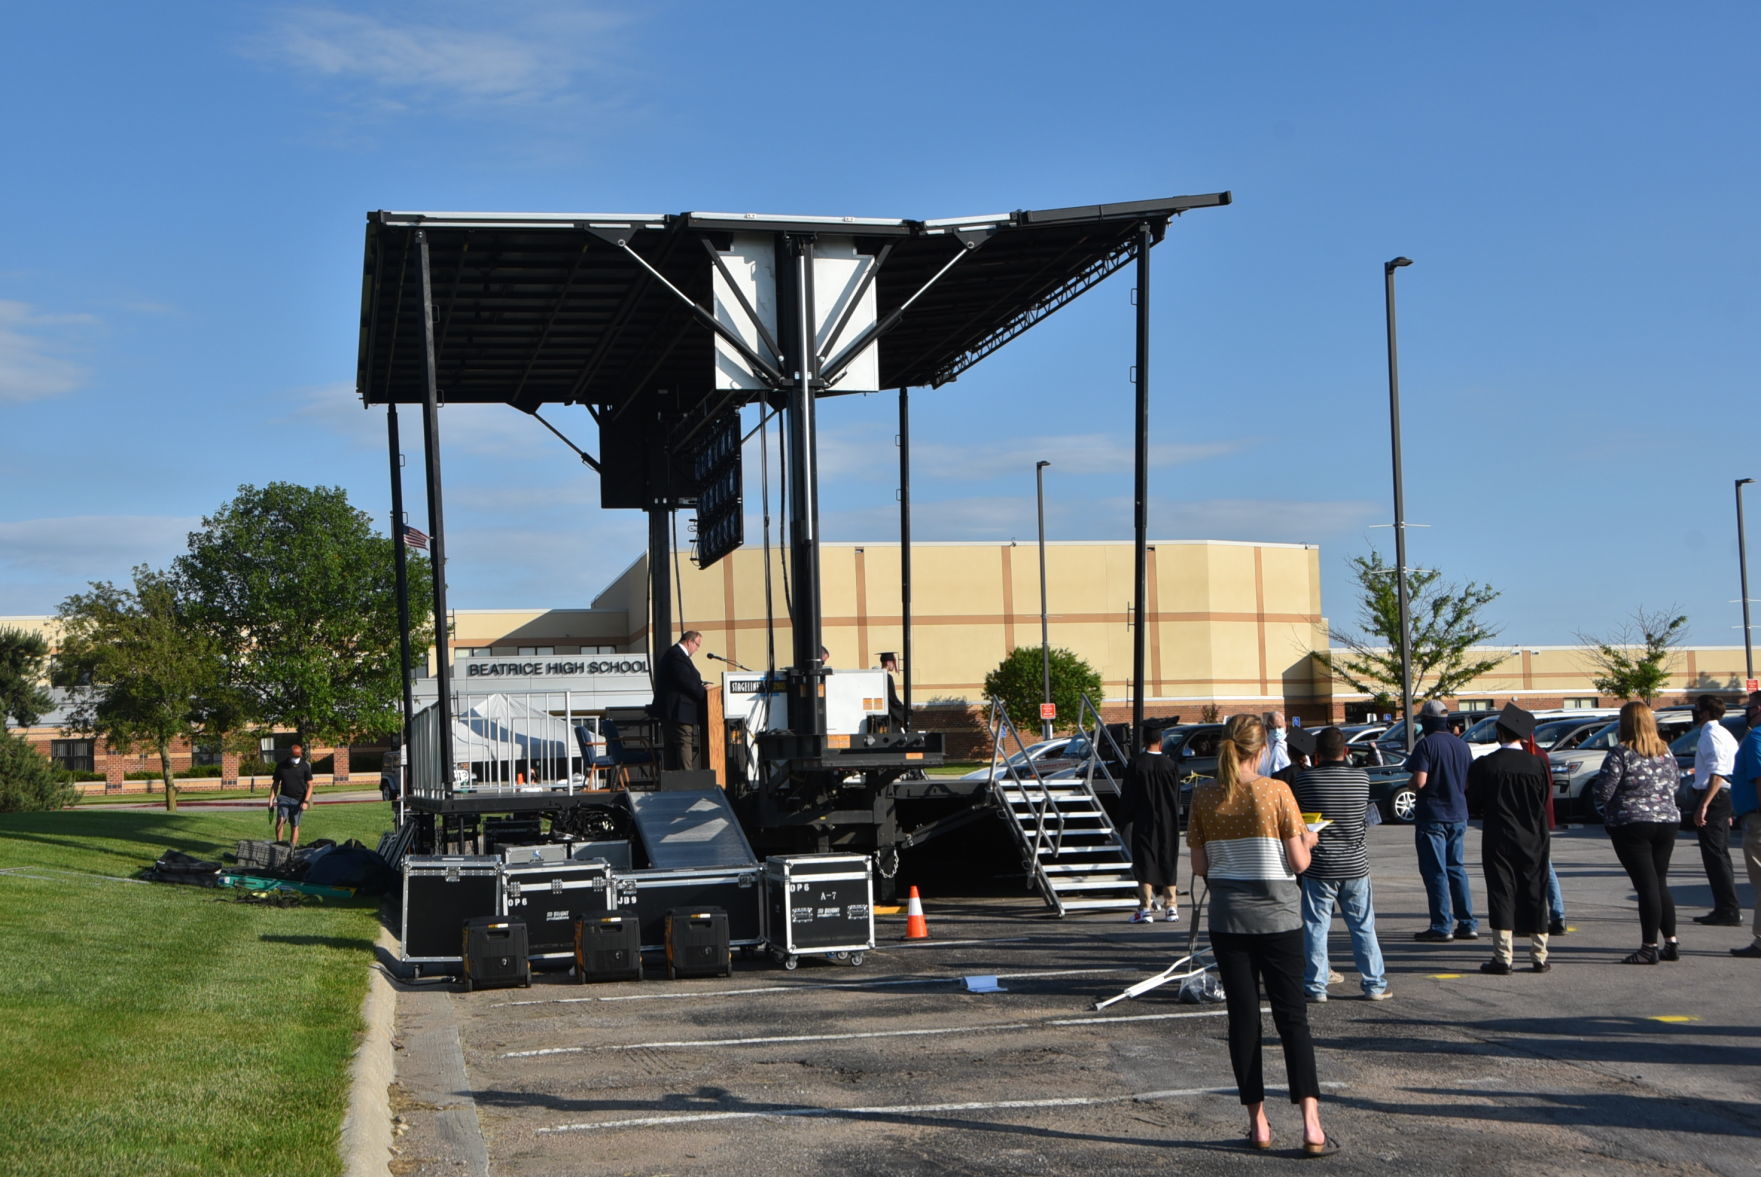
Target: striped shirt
{"points": [[1340, 794], [1252, 889]]}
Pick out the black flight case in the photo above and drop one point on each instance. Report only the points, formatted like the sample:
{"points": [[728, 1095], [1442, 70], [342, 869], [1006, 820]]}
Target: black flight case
{"points": [[819, 905], [441, 892], [495, 953], [550, 896], [651, 894]]}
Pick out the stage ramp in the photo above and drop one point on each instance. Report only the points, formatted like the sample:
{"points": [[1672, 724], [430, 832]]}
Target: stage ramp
{"points": [[690, 828]]}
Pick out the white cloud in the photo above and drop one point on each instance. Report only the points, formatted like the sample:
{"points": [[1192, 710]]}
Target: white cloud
{"points": [[30, 369], [497, 54], [90, 547]]}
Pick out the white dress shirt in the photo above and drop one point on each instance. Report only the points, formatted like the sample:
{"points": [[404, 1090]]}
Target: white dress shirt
{"points": [[1716, 755]]}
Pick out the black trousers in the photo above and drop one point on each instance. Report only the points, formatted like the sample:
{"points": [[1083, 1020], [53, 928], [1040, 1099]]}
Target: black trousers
{"points": [[1276, 961], [1643, 848], [1715, 853]]}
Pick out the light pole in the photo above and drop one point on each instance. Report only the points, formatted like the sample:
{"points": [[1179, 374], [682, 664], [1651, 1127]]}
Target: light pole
{"points": [[1045, 647], [1743, 569], [1388, 269]]}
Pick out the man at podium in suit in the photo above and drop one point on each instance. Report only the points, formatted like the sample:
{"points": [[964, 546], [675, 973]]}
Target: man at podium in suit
{"points": [[678, 703]]}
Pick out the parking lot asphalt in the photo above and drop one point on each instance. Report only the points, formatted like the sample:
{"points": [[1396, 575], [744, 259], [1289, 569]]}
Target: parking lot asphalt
{"points": [[892, 1067]]}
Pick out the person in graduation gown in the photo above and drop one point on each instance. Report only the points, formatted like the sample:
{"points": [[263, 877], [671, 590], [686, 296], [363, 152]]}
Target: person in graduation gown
{"points": [[1511, 788], [1150, 805]]}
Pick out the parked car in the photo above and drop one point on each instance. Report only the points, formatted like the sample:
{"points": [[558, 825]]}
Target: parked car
{"points": [[1041, 753], [1394, 739], [1685, 746], [1557, 725], [1575, 768], [1362, 733]]}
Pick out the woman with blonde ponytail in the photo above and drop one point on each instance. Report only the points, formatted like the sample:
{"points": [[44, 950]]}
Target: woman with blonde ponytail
{"points": [[1249, 843]]}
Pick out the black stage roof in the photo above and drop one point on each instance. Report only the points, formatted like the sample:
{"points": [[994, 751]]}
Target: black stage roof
{"points": [[533, 309]]}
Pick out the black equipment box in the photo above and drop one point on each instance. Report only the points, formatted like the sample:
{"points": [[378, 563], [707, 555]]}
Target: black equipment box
{"points": [[501, 832], [697, 943], [651, 894], [608, 948], [820, 904], [441, 892], [548, 897], [527, 855], [614, 850], [494, 953]]}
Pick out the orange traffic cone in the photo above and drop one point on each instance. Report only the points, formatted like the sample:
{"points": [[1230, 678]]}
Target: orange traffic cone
{"points": [[916, 927]]}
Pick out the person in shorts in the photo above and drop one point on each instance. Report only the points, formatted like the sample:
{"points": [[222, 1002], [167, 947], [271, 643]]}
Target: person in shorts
{"points": [[290, 792]]}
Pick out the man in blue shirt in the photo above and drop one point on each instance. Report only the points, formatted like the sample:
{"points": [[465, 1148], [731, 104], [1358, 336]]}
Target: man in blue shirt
{"points": [[1745, 803], [1439, 766]]}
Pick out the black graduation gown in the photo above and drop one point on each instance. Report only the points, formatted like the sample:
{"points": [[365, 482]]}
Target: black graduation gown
{"points": [[1511, 789], [1150, 805]]}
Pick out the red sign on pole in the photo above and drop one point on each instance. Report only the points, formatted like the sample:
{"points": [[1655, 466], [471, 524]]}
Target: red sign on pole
{"points": [[1048, 711], [1752, 685]]}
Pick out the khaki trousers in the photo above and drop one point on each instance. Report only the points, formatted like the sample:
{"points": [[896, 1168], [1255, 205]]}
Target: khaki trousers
{"points": [[1504, 950]]}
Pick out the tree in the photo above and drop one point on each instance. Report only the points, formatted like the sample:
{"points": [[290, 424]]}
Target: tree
{"points": [[28, 781], [22, 655], [1446, 629], [1635, 662], [297, 589], [139, 673], [1018, 681]]}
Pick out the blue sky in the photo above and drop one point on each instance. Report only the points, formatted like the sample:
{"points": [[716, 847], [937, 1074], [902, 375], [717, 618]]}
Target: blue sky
{"points": [[1576, 183]]}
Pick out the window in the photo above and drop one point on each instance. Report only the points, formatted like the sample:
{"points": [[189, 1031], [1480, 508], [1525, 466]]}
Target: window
{"points": [[73, 755], [205, 756], [1581, 703], [536, 651], [599, 649], [1475, 705]]}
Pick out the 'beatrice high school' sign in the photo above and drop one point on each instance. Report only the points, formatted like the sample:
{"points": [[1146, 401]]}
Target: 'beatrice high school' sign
{"points": [[550, 668]]}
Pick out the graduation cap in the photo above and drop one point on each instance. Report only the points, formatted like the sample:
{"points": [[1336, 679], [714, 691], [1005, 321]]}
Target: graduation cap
{"points": [[1150, 733], [1302, 740], [1516, 721]]}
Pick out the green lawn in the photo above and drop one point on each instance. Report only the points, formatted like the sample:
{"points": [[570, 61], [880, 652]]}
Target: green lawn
{"points": [[148, 1028]]}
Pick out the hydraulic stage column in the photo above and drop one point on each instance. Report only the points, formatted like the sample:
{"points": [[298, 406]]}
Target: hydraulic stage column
{"points": [[796, 318], [436, 525]]}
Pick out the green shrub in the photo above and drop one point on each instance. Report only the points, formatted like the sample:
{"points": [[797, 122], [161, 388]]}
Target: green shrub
{"points": [[28, 781]]}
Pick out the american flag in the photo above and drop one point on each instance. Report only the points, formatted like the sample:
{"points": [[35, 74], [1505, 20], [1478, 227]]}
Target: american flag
{"points": [[414, 538]]}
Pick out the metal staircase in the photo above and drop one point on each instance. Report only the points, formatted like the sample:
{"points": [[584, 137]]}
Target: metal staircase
{"points": [[1068, 844]]}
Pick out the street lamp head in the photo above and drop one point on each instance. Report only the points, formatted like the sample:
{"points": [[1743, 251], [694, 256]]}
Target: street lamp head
{"points": [[1744, 481], [1396, 264], [1041, 465]]}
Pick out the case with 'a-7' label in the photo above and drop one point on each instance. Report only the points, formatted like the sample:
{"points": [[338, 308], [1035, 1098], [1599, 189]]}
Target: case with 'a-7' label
{"points": [[819, 904]]}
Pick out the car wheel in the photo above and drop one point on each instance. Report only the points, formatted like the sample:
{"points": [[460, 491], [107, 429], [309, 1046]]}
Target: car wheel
{"points": [[1403, 806]]}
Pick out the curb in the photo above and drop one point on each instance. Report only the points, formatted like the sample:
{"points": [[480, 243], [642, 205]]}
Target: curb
{"points": [[365, 1142]]}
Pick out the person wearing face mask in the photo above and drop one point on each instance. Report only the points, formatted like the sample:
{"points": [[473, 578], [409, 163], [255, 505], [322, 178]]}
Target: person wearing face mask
{"points": [[290, 792]]}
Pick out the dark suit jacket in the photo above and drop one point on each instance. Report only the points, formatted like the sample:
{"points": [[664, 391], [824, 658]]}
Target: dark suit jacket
{"points": [[678, 688]]}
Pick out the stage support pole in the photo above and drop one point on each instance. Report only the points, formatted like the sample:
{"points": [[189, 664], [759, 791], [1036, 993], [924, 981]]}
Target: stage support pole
{"points": [[1141, 516], [436, 521]]}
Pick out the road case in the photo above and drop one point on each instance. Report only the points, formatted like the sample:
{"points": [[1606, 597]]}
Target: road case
{"points": [[608, 948], [495, 952], [441, 892], [697, 943], [650, 894], [819, 905], [550, 896]]}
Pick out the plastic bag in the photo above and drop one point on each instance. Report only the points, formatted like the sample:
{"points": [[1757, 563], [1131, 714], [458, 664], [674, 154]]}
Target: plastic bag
{"points": [[1206, 986]]}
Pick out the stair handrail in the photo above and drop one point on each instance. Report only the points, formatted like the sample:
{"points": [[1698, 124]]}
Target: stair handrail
{"points": [[1042, 804]]}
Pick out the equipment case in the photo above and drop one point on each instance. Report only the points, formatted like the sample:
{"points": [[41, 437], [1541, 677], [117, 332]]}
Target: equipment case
{"points": [[495, 952], [819, 904], [441, 892], [697, 943], [651, 894], [550, 896], [608, 948]]}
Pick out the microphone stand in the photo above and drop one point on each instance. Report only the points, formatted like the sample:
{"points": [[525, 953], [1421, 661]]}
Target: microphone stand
{"points": [[730, 662]]}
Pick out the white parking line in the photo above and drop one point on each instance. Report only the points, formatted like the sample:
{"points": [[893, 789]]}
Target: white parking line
{"points": [[903, 1109], [698, 994], [704, 1043]]}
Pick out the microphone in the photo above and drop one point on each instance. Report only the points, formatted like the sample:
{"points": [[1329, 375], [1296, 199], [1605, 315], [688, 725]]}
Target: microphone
{"points": [[714, 657]]}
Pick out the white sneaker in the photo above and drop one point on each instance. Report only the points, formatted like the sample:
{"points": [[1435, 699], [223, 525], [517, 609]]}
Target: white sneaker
{"points": [[1142, 916], [1172, 916], [1333, 978]]}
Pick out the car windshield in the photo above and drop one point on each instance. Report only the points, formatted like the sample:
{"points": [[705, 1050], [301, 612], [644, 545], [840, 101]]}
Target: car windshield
{"points": [[1549, 734], [1484, 731]]}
